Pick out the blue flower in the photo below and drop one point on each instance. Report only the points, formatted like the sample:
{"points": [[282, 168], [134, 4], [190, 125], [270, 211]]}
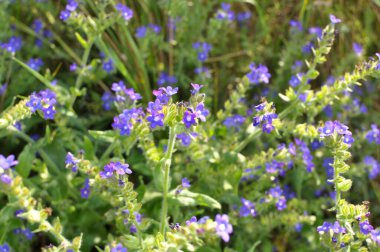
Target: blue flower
{"points": [[85, 190], [235, 121], [189, 118], [5, 178], [185, 183], [281, 203], [108, 100], [141, 31], [258, 74], [7, 162], [334, 20], [358, 49], [73, 67], [64, 15], [35, 63], [247, 208], [223, 227], [156, 119], [13, 45], [296, 24], [193, 219], [126, 12], [375, 235], [71, 5], [108, 66], [365, 227], [118, 167], [165, 79], [5, 248], [185, 138], [119, 248], [317, 31], [325, 228], [375, 167], [373, 136]]}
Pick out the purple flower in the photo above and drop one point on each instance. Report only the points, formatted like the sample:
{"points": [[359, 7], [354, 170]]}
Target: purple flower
{"points": [[295, 80], [71, 161], [275, 192], [325, 227], [281, 203], [373, 136], [185, 138], [185, 183], [71, 5], [13, 45], [296, 24], [365, 227], [375, 167], [156, 119], [243, 16], [7, 162], [375, 235], [203, 49], [235, 121], [3, 88], [258, 74], [108, 66], [35, 63], [317, 31], [107, 99], [225, 13], [141, 31], [119, 248], [193, 219], [37, 25], [118, 167], [358, 49], [337, 228], [334, 20], [155, 28], [73, 67], [64, 15], [189, 118], [201, 112], [43, 101], [223, 227], [165, 79], [5, 178], [196, 88], [126, 12], [307, 157], [247, 208], [5, 248], [124, 121], [27, 233]]}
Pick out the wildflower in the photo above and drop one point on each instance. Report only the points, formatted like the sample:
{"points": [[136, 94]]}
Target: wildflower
{"points": [[223, 227], [5, 248], [156, 119], [317, 31], [7, 162], [189, 118], [107, 99], [124, 121], [64, 15], [296, 24], [126, 12], [43, 101], [247, 208], [334, 20], [373, 136], [5, 178], [358, 49], [119, 248], [155, 28], [141, 31], [331, 127], [85, 190], [165, 79], [71, 161], [37, 26], [375, 167], [203, 71], [73, 67], [235, 121], [281, 203], [193, 219], [243, 16], [35, 64], [298, 227], [108, 66], [337, 228], [13, 45], [324, 228], [258, 74], [365, 227], [185, 183], [375, 235], [306, 155], [117, 167], [201, 112], [196, 88], [275, 192], [203, 49], [71, 5], [225, 13], [3, 88]]}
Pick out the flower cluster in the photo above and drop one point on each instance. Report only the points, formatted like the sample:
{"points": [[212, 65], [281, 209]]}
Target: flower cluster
{"points": [[123, 93], [124, 122], [5, 164], [225, 13], [234, 121], [186, 138], [258, 74], [247, 208], [336, 127], [71, 162], [85, 190], [265, 116], [35, 63], [203, 49], [43, 101], [115, 167], [71, 6], [307, 157]]}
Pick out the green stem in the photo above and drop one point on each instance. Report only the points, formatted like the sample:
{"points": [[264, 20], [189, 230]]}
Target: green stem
{"points": [[166, 167], [84, 60], [337, 191]]}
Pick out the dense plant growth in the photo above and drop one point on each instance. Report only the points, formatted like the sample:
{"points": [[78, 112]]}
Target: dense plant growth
{"points": [[189, 126]]}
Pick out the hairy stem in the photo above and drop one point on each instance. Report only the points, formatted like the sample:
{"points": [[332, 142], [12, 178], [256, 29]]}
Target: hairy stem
{"points": [[166, 168]]}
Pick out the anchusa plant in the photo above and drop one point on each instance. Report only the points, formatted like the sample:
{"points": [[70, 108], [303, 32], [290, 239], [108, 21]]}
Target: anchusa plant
{"points": [[189, 126]]}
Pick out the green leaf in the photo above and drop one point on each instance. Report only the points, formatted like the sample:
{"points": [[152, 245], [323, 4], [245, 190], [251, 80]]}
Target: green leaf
{"points": [[25, 160], [188, 198], [106, 136], [88, 147]]}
